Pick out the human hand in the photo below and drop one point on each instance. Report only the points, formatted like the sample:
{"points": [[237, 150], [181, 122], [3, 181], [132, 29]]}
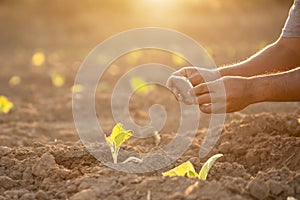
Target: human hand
{"points": [[180, 87], [198, 75], [227, 94], [195, 75]]}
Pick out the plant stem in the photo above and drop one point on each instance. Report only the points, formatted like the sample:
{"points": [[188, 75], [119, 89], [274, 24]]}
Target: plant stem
{"points": [[115, 154], [115, 157]]}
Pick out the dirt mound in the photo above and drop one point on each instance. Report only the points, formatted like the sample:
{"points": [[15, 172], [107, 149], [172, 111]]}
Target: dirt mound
{"points": [[41, 156], [260, 161]]}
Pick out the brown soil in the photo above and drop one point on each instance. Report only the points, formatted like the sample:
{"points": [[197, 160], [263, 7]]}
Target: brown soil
{"points": [[41, 156]]}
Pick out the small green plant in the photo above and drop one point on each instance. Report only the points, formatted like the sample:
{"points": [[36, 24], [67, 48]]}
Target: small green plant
{"points": [[188, 169], [5, 105], [118, 136]]}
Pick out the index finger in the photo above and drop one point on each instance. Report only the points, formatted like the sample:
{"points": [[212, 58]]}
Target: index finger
{"points": [[199, 89], [188, 71], [185, 71]]}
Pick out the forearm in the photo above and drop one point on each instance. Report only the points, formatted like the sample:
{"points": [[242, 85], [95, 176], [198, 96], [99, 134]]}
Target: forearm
{"points": [[283, 86], [283, 55]]}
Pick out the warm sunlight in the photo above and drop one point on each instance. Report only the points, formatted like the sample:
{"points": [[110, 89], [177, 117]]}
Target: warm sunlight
{"points": [[160, 2], [149, 99]]}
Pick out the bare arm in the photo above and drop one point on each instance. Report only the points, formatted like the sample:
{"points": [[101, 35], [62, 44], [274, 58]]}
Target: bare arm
{"points": [[283, 86], [269, 75], [243, 91], [282, 55]]}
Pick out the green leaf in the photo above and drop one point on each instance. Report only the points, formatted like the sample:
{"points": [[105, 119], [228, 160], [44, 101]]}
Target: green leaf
{"points": [[122, 137], [207, 165], [185, 168], [119, 135], [109, 141], [192, 174], [170, 173], [116, 138]]}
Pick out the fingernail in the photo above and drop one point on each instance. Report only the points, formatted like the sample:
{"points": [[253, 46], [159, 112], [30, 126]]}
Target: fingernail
{"points": [[191, 92], [204, 106]]}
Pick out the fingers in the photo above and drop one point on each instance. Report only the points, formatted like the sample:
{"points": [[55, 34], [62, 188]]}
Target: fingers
{"points": [[195, 79], [204, 99], [202, 90], [192, 73], [176, 94], [173, 89], [187, 71], [216, 108], [199, 89], [169, 83], [206, 108], [188, 101], [195, 74]]}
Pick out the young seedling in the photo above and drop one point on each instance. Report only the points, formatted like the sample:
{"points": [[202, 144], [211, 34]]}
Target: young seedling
{"points": [[187, 168], [5, 105], [118, 136]]}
